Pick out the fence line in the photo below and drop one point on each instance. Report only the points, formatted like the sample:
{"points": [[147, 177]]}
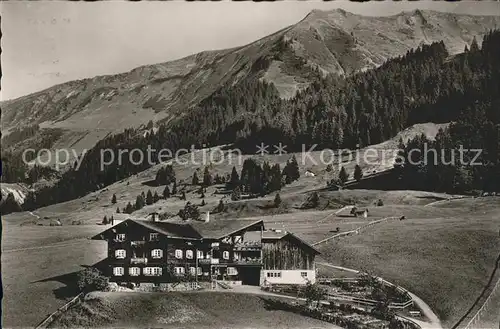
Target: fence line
{"points": [[47, 321], [357, 230], [483, 307], [478, 299]]}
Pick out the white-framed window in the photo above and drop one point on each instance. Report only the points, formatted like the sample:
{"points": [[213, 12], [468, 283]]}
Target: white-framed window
{"points": [[179, 270], [154, 236], [303, 274], [178, 254], [134, 271], [192, 270], [232, 271], [274, 274], [120, 253], [200, 272], [118, 271], [152, 271], [236, 256], [120, 237], [199, 254], [225, 254], [189, 254], [157, 253]]}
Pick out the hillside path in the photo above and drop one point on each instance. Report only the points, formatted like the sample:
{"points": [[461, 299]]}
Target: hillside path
{"points": [[434, 320]]}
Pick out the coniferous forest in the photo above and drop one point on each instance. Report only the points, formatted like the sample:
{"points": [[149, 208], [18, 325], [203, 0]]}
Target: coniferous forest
{"points": [[425, 85]]}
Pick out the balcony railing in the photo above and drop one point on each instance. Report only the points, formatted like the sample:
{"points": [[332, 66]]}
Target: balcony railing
{"points": [[248, 261], [139, 260], [248, 245], [209, 261]]}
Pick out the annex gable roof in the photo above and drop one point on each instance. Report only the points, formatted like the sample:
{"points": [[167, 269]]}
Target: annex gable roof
{"points": [[273, 235], [218, 229]]}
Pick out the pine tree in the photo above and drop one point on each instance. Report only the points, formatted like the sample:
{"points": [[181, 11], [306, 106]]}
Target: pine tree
{"points": [[156, 197], [105, 220], [234, 181], [207, 178], [203, 202], [312, 201], [195, 180], [474, 47], [166, 192], [220, 206], [358, 173], [343, 176], [149, 198], [277, 200], [291, 171], [275, 182], [165, 175], [118, 210], [174, 188], [113, 199], [129, 208], [139, 202]]}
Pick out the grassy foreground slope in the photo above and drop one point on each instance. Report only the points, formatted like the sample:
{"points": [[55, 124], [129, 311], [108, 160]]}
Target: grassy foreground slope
{"points": [[37, 263], [444, 253], [181, 310]]}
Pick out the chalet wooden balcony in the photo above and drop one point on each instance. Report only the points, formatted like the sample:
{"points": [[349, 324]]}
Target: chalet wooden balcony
{"points": [[139, 260], [137, 243], [248, 261], [209, 261], [248, 246]]}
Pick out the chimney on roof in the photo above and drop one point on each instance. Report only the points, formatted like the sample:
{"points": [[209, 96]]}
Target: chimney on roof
{"points": [[207, 217]]}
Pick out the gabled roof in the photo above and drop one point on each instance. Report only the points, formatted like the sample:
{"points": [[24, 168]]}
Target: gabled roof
{"points": [[177, 230], [200, 230], [273, 235], [172, 230], [193, 230]]}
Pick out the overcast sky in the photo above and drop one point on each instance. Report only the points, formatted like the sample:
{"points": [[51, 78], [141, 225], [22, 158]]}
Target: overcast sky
{"points": [[46, 43]]}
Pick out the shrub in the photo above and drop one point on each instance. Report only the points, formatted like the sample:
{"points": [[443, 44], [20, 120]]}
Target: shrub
{"points": [[313, 293], [236, 194], [190, 211], [220, 207], [91, 279]]}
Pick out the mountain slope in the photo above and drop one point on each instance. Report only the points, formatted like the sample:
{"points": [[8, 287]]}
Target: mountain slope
{"points": [[86, 111]]}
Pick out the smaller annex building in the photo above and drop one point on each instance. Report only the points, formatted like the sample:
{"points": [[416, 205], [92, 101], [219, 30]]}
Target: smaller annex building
{"points": [[240, 251]]}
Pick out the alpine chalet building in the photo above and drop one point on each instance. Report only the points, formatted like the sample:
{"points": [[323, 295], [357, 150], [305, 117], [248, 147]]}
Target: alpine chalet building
{"points": [[236, 251]]}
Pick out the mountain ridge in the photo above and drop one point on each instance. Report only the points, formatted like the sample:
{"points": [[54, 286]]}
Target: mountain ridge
{"points": [[331, 42]]}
